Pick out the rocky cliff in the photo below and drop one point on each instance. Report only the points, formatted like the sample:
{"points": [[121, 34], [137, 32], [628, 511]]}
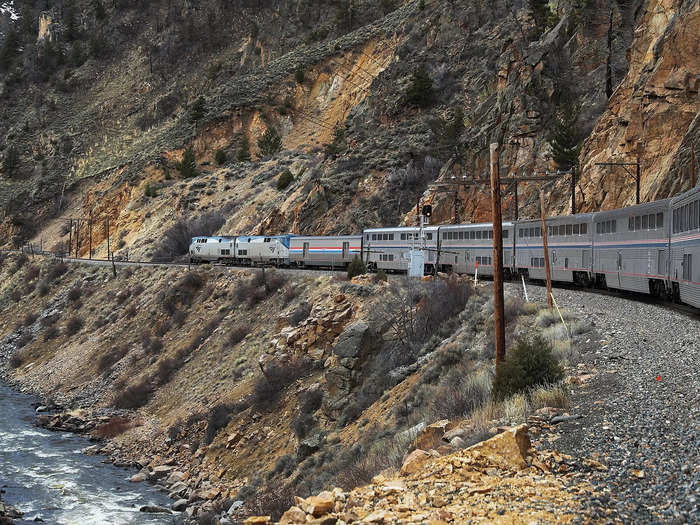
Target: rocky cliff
{"points": [[100, 106]]}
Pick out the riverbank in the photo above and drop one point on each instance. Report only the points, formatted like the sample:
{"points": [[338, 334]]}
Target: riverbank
{"points": [[45, 476]]}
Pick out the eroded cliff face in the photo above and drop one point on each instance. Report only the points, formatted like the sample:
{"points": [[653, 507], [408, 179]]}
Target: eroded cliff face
{"points": [[653, 114]]}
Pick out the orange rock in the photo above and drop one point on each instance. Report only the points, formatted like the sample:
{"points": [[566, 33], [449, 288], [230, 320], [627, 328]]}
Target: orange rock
{"points": [[414, 461], [257, 520], [508, 450], [317, 505], [293, 516], [431, 436]]}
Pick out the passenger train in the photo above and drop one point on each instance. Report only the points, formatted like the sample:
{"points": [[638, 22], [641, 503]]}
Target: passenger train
{"points": [[652, 248]]}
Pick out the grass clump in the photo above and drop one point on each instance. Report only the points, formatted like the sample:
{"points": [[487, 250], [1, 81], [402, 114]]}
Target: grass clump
{"points": [[529, 364], [356, 267]]}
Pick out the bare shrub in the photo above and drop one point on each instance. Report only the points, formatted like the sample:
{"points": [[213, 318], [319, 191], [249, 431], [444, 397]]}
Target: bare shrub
{"points": [[130, 311], [276, 377], [175, 241], [459, 394], [115, 426], [111, 357], [51, 332], [122, 296], [43, 288], [29, 319], [31, 273], [134, 396], [56, 269], [74, 294], [302, 424], [238, 333], [166, 368], [17, 359], [24, 339], [218, 418], [310, 400], [74, 325], [182, 292], [273, 501]]}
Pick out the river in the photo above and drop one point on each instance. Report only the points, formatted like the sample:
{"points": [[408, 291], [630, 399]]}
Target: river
{"points": [[45, 475]]}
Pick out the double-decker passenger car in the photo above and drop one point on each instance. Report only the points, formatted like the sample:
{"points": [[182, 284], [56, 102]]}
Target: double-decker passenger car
{"points": [[389, 248], [630, 247], [685, 247], [333, 251], [464, 246], [569, 245]]}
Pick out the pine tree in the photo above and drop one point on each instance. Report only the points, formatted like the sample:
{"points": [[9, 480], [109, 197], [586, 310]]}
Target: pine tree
{"points": [[197, 110], [188, 166], [565, 137], [420, 92], [243, 153], [269, 143], [11, 162], [9, 49]]}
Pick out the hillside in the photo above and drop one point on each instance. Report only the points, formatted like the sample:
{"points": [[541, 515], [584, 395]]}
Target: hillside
{"points": [[372, 103]]}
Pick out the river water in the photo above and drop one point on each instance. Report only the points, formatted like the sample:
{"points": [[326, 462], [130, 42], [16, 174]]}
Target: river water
{"points": [[45, 475]]}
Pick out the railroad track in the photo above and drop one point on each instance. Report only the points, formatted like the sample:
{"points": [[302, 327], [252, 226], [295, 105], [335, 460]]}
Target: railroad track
{"points": [[684, 309]]}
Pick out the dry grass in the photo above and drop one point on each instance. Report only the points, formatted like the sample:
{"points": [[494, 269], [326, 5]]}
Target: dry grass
{"points": [[549, 396], [115, 426]]}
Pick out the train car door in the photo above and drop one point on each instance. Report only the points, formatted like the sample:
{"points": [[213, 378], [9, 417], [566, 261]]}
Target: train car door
{"points": [[662, 263], [586, 259], [619, 269], [346, 248], [306, 250]]}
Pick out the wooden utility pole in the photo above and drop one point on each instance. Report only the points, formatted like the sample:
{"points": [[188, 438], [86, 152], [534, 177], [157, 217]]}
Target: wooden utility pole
{"points": [[546, 252], [573, 191], [496, 220], [417, 212], [90, 228], [77, 237], [108, 238], [692, 167]]}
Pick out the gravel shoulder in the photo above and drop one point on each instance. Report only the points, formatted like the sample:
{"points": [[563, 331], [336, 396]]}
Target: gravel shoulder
{"points": [[640, 407]]}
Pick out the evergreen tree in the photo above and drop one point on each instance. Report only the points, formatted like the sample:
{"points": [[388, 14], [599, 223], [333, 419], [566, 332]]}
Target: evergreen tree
{"points": [[299, 74], [188, 166], [220, 156], [448, 131], [100, 12], [420, 92], [565, 137], [269, 143], [11, 162], [243, 153], [9, 50], [197, 110], [338, 145]]}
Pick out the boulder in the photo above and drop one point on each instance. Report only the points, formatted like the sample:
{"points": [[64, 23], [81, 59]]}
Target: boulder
{"points": [[154, 509], [235, 506], [161, 471], [174, 477], [414, 461], [308, 446], [317, 506], [508, 450], [431, 436], [138, 478], [180, 505], [354, 341], [257, 520], [293, 516]]}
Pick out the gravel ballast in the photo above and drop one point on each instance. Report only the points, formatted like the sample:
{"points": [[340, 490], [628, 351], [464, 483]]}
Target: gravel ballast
{"points": [[640, 408]]}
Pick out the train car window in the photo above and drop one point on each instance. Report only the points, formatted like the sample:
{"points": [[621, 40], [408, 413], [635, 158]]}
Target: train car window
{"points": [[652, 222], [505, 234], [429, 236], [461, 236], [630, 224], [391, 236], [374, 236], [638, 222], [444, 236], [584, 228], [403, 236], [577, 229], [520, 233], [267, 239], [569, 229], [478, 234], [490, 234], [607, 227], [645, 222]]}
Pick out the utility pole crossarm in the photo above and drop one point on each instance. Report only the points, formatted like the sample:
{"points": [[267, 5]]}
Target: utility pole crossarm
{"points": [[637, 175]]}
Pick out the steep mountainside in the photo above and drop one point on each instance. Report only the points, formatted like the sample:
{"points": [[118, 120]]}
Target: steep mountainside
{"points": [[373, 102]]}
